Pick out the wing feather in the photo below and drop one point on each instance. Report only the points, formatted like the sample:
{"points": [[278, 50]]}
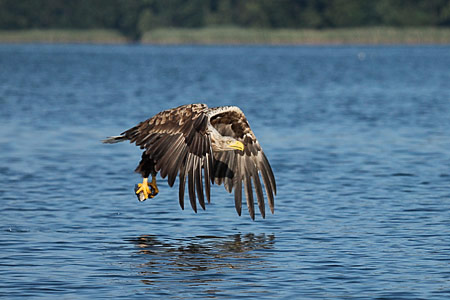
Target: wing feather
{"points": [[220, 166], [238, 187], [269, 180], [175, 162], [191, 183], [249, 194], [228, 182], [173, 152], [182, 185], [258, 190], [199, 184], [206, 167]]}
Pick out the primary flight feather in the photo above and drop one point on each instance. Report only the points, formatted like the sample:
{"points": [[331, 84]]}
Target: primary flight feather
{"points": [[201, 146]]}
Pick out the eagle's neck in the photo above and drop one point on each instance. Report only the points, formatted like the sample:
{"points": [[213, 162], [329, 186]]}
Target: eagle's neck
{"points": [[216, 137]]}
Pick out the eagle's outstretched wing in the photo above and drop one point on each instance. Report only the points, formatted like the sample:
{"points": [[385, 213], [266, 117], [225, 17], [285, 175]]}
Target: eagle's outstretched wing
{"points": [[237, 168], [178, 141]]}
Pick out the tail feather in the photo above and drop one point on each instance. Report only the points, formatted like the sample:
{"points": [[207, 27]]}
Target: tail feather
{"points": [[114, 139]]}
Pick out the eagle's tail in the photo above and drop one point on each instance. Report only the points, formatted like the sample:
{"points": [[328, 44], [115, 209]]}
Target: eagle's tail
{"points": [[114, 139]]}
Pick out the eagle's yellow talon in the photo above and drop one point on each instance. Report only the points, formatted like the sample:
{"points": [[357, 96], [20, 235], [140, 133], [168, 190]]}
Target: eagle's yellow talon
{"points": [[143, 187]]}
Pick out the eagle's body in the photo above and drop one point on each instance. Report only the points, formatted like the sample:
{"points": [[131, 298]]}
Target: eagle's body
{"points": [[203, 145]]}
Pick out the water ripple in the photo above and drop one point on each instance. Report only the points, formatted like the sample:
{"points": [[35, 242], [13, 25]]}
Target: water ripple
{"points": [[360, 151]]}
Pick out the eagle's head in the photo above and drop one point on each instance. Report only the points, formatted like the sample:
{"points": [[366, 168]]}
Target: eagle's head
{"points": [[226, 143]]}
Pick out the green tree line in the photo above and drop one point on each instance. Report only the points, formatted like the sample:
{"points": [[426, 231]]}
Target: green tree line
{"points": [[134, 17]]}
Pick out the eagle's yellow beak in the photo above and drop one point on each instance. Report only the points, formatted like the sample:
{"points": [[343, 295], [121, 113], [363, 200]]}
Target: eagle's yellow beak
{"points": [[237, 145]]}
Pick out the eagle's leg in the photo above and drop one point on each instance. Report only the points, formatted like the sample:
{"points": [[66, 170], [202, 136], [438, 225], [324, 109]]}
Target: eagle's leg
{"points": [[146, 190], [154, 187]]}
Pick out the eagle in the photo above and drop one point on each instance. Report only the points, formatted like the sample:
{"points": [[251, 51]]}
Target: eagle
{"points": [[202, 146]]}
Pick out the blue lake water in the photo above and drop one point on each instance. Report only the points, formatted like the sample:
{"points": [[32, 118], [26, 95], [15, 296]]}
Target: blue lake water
{"points": [[358, 138]]}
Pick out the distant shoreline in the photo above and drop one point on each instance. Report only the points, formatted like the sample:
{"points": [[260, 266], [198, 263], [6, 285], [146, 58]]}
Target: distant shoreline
{"points": [[61, 36], [238, 36]]}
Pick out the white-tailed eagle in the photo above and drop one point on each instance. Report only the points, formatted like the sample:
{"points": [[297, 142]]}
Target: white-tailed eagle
{"points": [[201, 146]]}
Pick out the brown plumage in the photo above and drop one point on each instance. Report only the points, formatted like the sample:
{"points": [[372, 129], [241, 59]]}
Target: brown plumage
{"points": [[201, 146]]}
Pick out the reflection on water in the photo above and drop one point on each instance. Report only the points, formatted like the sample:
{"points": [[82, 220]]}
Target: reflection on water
{"points": [[211, 254]]}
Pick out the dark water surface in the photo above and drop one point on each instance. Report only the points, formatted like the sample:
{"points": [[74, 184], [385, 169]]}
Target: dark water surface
{"points": [[358, 138]]}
